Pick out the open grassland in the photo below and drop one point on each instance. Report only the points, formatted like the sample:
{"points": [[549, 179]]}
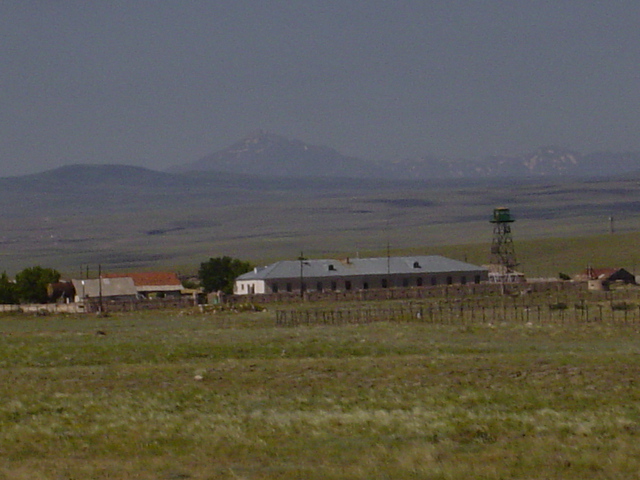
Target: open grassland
{"points": [[190, 396], [570, 255], [149, 228]]}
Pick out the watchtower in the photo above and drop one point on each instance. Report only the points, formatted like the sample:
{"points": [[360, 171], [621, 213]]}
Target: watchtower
{"points": [[503, 254]]}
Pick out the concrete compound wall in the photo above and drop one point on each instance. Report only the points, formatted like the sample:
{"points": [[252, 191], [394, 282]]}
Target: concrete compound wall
{"points": [[44, 308], [452, 291], [93, 306]]}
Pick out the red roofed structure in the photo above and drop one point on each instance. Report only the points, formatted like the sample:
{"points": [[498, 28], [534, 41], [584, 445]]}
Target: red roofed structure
{"points": [[608, 275], [152, 284]]}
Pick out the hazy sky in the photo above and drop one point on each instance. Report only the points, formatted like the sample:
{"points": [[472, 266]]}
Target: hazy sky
{"points": [[157, 83]]}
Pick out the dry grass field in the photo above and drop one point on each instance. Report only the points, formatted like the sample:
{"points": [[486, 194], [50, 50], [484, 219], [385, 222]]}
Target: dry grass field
{"points": [[184, 395]]}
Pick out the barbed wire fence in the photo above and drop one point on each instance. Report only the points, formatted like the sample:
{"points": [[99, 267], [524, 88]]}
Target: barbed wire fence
{"points": [[464, 313]]}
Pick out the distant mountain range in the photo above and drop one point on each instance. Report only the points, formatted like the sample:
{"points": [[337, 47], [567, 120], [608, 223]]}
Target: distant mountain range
{"points": [[267, 154], [126, 217], [550, 162]]}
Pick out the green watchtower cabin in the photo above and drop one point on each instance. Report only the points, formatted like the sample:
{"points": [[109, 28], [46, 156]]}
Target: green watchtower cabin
{"points": [[502, 215], [503, 254]]}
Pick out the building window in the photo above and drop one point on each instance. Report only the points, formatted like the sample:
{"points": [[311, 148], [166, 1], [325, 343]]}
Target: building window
{"points": [[477, 279], [405, 282], [319, 286], [384, 283], [365, 286], [419, 281], [347, 285], [274, 288], [303, 287], [463, 280], [449, 280], [334, 286], [434, 281], [288, 287]]}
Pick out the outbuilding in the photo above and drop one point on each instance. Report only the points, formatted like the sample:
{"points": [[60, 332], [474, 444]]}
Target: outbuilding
{"points": [[105, 288], [153, 284], [607, 275]]}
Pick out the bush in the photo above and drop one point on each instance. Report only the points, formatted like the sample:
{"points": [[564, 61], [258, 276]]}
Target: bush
{"points": [[558, 306], [8, 291], [220, 273], [32, 282], [622, 306]]}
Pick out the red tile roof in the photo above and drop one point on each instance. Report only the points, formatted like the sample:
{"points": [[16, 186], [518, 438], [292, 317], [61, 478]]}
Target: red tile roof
{"points": [[595, 273], [147, 279]]}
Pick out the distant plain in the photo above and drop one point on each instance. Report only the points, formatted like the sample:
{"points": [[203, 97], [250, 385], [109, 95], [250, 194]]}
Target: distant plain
{"points": [[126, 218]]}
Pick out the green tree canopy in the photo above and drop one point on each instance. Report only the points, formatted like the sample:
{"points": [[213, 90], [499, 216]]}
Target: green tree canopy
{"points": [[31, 283], [8, 291], [219, 273]]}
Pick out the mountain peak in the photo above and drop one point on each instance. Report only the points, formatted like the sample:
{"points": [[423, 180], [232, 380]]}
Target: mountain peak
{"points": [[265, 153], [258, 141]]}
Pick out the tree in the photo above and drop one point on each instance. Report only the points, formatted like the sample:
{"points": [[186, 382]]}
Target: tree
{"points": [[31, 283], [219, 273], [8, 291]]}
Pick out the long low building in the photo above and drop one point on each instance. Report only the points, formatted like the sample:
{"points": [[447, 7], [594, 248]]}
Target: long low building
{"points": [[358, 274]]}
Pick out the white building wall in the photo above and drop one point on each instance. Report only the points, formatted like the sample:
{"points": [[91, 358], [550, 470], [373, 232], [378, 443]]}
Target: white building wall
{"points": [[248, 287], [338, 283]]}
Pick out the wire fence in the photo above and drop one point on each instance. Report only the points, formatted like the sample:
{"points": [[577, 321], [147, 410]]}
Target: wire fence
{"points": [[461, 313]]}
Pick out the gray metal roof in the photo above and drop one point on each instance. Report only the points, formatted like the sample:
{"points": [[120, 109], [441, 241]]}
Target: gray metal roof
{"points": [[111, 287], [360, 267]]}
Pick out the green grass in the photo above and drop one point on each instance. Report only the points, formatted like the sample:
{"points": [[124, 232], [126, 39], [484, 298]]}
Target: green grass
{"points": [[182, 395], [548, 256]]}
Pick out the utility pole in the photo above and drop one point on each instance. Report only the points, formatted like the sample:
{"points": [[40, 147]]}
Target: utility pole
{"points": [[302, 259], [388, 258], [100, 288]]}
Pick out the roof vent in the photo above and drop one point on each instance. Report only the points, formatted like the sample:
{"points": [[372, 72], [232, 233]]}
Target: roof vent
{"points": [[331, 267], [416, 265]]}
